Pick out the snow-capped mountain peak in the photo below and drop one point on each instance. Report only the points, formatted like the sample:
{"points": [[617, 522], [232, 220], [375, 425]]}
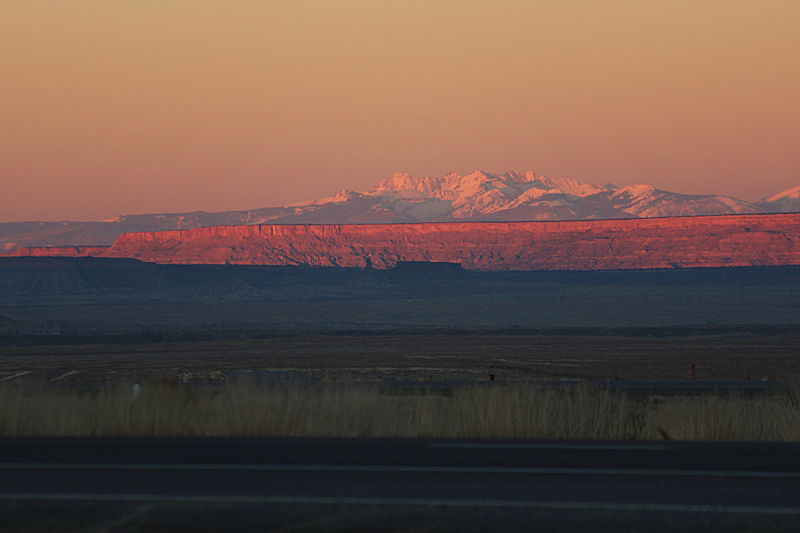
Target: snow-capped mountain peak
{"points": [[525, 196], [787, 201], [342, 196], [636, 190], [792, 193]]}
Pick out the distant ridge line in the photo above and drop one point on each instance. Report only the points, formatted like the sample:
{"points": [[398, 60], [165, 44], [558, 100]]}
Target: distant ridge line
{"points": [[664, 242]]}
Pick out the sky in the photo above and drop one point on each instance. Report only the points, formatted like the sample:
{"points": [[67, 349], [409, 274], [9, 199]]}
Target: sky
{"points": [[112, 108]]}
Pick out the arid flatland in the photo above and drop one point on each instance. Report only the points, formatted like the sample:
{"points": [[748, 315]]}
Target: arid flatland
{"points": [[105, 319], [416, 357]]}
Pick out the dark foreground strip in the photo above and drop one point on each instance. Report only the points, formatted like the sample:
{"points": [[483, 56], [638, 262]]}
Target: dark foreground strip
{"points": [[390, 468], [592, 506]]}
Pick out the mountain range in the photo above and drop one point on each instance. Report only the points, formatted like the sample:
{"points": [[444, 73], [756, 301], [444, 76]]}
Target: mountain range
{"points": [[479, 196]]}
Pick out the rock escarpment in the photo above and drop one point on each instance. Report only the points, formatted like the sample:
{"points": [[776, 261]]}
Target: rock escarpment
{"points": [[727, 240], [58, 251]]}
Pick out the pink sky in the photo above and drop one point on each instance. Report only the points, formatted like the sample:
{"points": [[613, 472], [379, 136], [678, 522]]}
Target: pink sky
{"points": [[114, 108]]}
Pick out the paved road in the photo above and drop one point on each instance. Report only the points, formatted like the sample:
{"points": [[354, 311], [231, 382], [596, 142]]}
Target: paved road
{"points": [[397, 483], [633, 388]]}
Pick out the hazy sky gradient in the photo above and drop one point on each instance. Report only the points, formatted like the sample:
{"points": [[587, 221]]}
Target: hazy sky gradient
{"points": [[139, 107]]}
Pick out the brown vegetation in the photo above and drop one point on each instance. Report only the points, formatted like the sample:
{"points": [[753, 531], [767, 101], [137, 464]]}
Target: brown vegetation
{"points": [[508, 411]]}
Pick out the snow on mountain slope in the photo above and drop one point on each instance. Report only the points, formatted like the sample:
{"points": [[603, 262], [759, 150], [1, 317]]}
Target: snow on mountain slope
{"points": [[453, 187], [787, 201], [646, 201], [342, 196], [480, 193], [531, 196]]}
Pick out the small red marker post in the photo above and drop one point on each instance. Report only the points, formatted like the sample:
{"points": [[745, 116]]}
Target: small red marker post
{"points": [[691, 371]]}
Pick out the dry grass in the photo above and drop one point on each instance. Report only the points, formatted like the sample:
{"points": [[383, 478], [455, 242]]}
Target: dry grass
{"points": [[715, 418], [582, 412]]}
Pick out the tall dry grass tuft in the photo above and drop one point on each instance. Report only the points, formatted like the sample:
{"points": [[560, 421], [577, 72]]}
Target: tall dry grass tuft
{"points": [[582, 412], [715, 418]]}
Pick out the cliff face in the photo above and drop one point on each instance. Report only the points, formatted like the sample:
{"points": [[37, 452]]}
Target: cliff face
{"points": [[58, 251], [730, 240]]}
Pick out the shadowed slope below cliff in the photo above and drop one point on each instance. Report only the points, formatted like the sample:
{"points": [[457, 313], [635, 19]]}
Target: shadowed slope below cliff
{"points": [[65, 297]]}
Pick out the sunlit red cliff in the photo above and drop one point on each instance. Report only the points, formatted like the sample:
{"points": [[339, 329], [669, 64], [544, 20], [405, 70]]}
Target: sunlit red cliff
{"points": [[705, 241]]}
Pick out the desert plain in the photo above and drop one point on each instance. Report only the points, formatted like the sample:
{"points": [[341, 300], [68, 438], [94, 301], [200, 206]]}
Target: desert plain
{"points": [[94, 320]]}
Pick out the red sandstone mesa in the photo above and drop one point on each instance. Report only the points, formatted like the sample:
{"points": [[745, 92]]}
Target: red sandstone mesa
{"points": [[701, 241], [58, 251]]}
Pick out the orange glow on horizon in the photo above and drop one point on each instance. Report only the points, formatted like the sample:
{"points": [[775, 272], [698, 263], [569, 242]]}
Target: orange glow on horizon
{"points": [[118, 108]]}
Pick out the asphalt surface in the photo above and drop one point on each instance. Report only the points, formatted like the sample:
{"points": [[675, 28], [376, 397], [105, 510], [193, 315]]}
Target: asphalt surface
{"points": [[322, 484], [641, 389]]}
